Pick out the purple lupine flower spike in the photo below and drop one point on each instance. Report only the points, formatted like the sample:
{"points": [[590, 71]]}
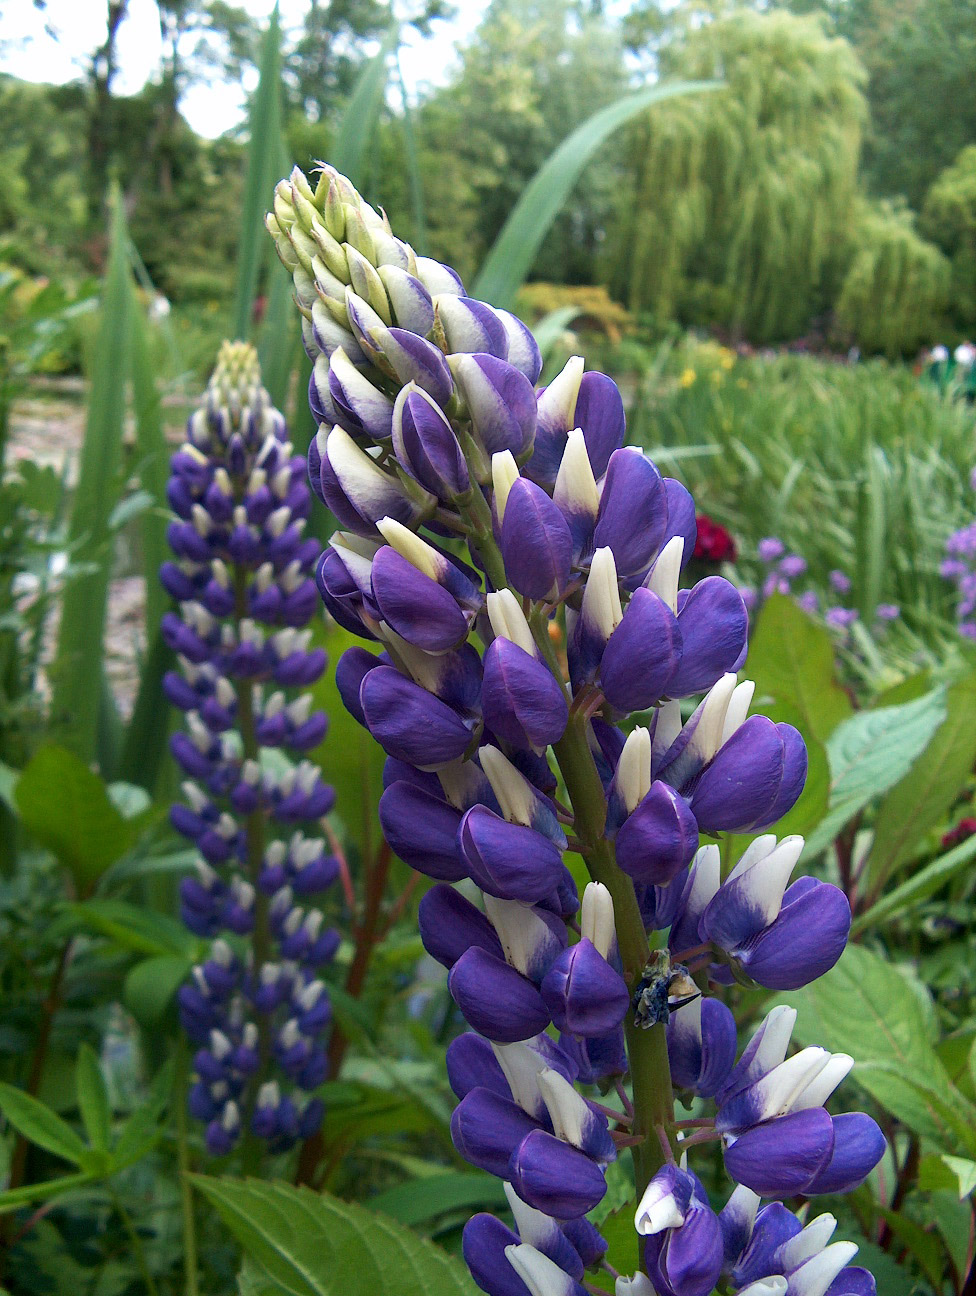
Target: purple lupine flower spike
{"points": [[243, 578], [542, 683]]}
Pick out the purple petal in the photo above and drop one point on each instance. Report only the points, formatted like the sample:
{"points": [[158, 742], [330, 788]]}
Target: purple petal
{"points": [[471, 326], [523, 350], [858, 1147], [508, 860], [681, 517], [410, 723], [804, 941], [633, 515], [641, 655], [659, 838], [714, 627], [471, 1063], [483, 1244], [774, 1226], [422, 830], [600, 414], [487, 1129], [784, 1156], [416, 606], [584, 994], [554, 1177], [536, 542], [495, 1000], [416, 360], [521, 700], [701, 1045], [853, 1281], [739, 789], [426, 446], [500, 400]]}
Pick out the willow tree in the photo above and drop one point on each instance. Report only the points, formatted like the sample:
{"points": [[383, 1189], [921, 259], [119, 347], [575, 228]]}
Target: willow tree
{"points": [[738, 201], [949, 219], [896, 284]]}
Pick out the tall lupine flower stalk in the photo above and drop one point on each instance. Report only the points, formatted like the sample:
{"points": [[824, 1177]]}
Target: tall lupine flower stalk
{"points": [[515, 569], [255, 1006]]}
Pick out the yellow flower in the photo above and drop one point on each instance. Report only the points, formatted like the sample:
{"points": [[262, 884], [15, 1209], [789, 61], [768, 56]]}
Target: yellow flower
{"points": [[687, 378]]}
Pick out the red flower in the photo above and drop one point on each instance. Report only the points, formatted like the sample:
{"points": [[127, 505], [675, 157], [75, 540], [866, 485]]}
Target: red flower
{"points": [[964, 828], [714, 544]]}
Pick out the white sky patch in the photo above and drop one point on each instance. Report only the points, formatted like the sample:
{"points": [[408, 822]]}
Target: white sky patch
{"points": [[78, 27]]}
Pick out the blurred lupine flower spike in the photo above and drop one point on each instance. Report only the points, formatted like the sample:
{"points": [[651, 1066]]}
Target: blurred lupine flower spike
{"points": [[242, 578], [560, 643]]}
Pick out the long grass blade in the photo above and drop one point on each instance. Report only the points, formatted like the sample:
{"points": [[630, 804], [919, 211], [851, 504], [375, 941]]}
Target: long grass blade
{"points": [[513, 252], [263, 154], [359, 117], [77, 670], [417, 208]]}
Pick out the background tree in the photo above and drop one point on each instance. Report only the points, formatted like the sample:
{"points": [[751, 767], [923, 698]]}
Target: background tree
{"points": [[949, 219]]}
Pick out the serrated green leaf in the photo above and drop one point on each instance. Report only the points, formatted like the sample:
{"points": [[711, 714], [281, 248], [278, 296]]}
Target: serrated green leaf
{"points": [[312, 1244], [791, 658], [926, 882], [869, 753], [93, 1103], [866, 1008], [68, 809], [40, 1125], [419, 1200]]}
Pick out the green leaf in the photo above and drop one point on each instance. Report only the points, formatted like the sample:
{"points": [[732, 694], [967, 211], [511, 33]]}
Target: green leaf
{"points": [[40, 1125], [93, 1103], [919, 802], [133, 928], [68, 809], [142, 1130], [964, 1172], [78, 664], [791, 658], [420, 1200], [866, 1008], [312, 1244], [869, 753], [144, 745], [263, 154], [15, 1198], [150, 986], [926, 882], [520, 238], [154, 454], [360, 113]]}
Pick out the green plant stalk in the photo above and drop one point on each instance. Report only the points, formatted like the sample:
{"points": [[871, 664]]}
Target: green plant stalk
{"points": [[138, 1250], [180, 1094], [254, 828]]}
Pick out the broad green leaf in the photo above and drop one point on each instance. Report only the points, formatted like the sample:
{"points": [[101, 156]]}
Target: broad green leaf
{"points": [[133, 928], [93, 1103], [77, 669], [623, 1245], [420, 1200], [917, 888], [312, 1244], [40, 1125], [925, 1247], [150, 986], [869, 753], [920, 801], [514, 250], [791, 658], [953, 1217], [68, 809], [263, 155], [355, 131], [866, 1008]]}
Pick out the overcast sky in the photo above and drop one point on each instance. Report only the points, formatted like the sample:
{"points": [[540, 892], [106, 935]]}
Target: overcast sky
{"points": [[212, 109]]}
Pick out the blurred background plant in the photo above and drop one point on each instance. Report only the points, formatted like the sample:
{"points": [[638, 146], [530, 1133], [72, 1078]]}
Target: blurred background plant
{"points": [[757, 265]]}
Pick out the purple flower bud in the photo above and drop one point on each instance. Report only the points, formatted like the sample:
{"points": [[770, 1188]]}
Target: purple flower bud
{"points": [[410, 723], [365, 407], [590, 401], [450, 925], [782, 1157], [536, 542], [495, 1000], [584, 994], [508, 860], [753, 780], [641, 655], [701, 1045], [471, 326], [555, 1177], [858, 1147], [521, 700], [659, 839], [684, 1251], [523, 350], [352, 668], [426, 446], [471, 1063], [499, 399], [422, 829], [714, 627]]}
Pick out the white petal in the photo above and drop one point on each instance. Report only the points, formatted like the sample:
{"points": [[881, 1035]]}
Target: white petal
{"points": [[663, 577], [739, 706], [508, 620], [824, 1083], [633, 773], [540, 1274], [596, 918], [601, 597], [504, 475], [809, 1243], [814, 1277], [575, 489], [515, 796]]}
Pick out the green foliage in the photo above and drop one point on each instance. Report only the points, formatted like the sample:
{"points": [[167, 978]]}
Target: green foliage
{"points": [[738, 203], [949, 220], [309, 1244], [896, 286]]}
